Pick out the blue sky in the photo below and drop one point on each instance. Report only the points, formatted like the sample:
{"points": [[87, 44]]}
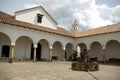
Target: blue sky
{"points": [[89, 13]]}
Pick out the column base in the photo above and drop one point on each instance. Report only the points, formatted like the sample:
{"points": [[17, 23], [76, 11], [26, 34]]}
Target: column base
{"points": [[11, 60], [34, 60], [50, 60], [63, 59]]}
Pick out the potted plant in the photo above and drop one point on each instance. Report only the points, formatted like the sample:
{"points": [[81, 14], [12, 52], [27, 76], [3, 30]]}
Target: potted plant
{"points": [[96, 66], [73, 64], [87, 66]]}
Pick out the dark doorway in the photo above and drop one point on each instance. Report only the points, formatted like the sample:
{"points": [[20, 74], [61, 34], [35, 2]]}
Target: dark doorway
{"points": [[5, 51], [38, 52], [65, 55], [32, 51]]}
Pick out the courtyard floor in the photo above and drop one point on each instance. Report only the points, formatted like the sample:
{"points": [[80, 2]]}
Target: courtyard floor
{"points": [[56, 70]]}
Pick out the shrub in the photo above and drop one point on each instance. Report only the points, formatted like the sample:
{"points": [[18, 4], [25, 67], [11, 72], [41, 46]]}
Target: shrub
{"points": [[74, 64], [96, 66]]}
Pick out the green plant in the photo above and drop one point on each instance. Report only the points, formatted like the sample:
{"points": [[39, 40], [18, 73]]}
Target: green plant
{"points": [[87, 66], [74, 64], [74, 55], [96, 66]]}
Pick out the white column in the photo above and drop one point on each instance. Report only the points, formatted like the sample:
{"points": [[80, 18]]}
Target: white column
{"points": [[104, 55], [34, 56], [63, 54], [11, 56], [50, 54]]}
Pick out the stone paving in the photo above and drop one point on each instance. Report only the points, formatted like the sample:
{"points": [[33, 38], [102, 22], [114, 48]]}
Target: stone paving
{"points": [[55, 70]]}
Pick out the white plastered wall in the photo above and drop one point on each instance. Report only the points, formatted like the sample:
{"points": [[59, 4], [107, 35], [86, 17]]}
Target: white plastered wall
{"points": [[113, 50], [44, 49], [69, 51], [35, 36], [57, 50], [30, 16], [102, 39], [51, 38], [96, 51], [22, 48]]}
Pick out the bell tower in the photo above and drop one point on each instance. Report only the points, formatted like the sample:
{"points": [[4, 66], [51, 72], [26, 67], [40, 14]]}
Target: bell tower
{"points": [[75, 26]]}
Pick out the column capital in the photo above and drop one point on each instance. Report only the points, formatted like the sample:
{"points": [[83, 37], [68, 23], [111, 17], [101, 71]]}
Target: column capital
{"points": [[35, 46], [12, 44], [51, 47], [64, 48], [104, 49]]}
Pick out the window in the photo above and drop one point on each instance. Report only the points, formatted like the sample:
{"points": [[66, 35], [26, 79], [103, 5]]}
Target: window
{"points": [[39, 18]]}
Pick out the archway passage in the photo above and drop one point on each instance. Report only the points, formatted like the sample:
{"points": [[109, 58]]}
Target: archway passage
{"points": [[113, 51], [44, 49], [69, 51], [38, 52], [5, 51], [23, 48], [96, 51], [82, 46], [32, 52], [57, 51], [5, 43]]}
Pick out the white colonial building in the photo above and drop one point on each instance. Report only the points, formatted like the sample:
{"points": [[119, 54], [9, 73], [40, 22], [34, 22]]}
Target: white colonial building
{"points": [[33, 33]]}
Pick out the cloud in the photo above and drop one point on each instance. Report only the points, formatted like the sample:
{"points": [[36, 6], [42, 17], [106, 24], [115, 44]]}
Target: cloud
{"points": [[87, 12], [89, 15], [115, 16], [28, 5]]}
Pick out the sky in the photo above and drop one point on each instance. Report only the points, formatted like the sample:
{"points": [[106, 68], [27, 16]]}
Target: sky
{"points": [[89, 13]]}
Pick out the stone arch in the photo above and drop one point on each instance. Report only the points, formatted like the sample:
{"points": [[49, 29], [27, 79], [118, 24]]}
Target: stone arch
{"points": [[44, 49], [24, 36], [112, 49], [58, 42], [96, 51], [57, 50], [82, 46], [5, 42], [69, 51], [5, 38], [23, 47]]}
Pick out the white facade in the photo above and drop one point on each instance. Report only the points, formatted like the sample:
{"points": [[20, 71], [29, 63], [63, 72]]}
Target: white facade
{"points": [[97, 44], [24, 39], [30, 16]]}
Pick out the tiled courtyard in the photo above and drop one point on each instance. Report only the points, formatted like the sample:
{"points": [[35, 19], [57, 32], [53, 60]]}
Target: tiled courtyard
{"points": [[54, 71]]}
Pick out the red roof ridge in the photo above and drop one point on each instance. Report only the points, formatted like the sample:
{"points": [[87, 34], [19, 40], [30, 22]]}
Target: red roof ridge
{"points": [[6, 20]]}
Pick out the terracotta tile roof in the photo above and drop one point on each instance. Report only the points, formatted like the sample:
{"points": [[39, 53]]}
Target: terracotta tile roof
{"points": [[8, 19], [101, 30]]}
